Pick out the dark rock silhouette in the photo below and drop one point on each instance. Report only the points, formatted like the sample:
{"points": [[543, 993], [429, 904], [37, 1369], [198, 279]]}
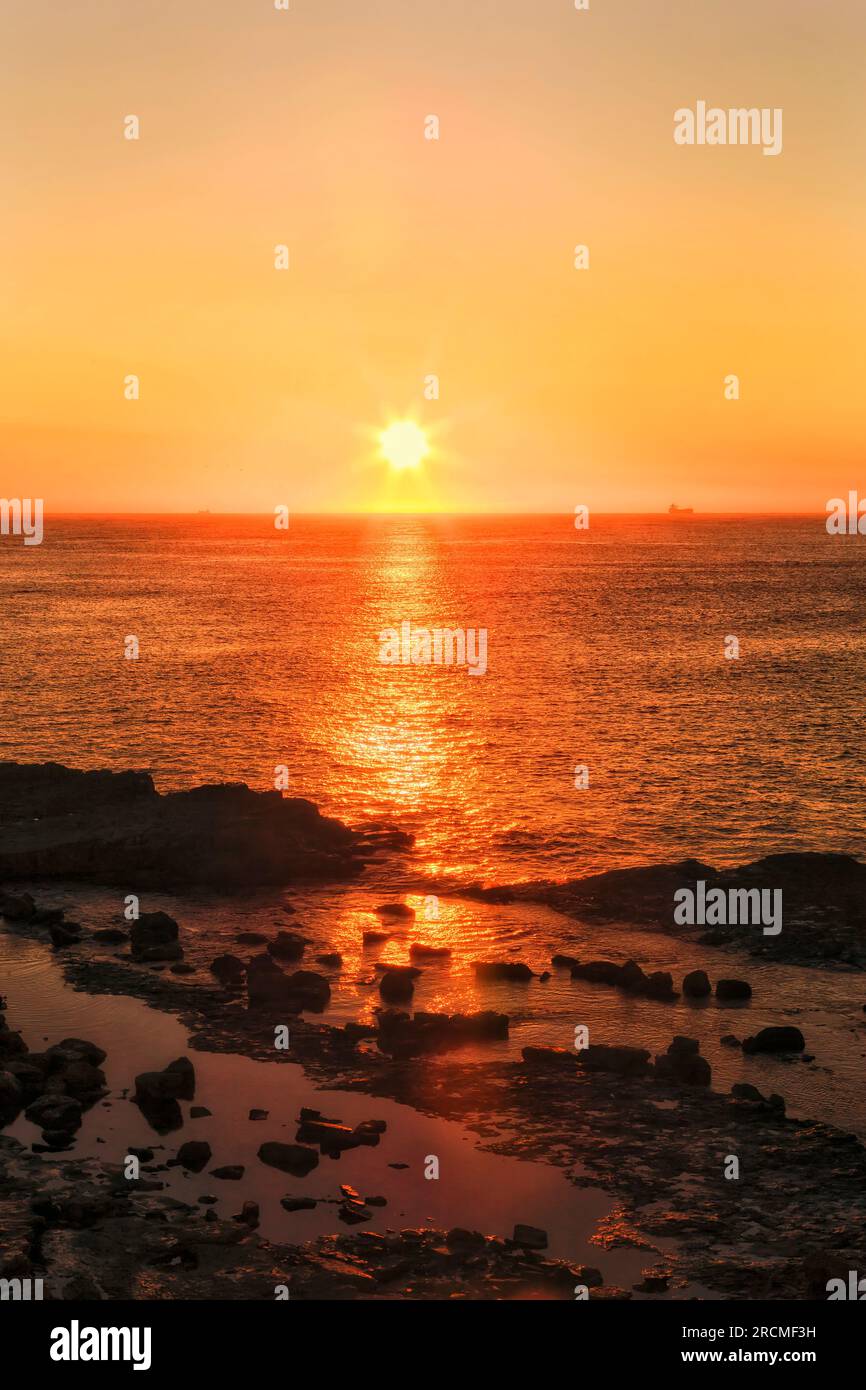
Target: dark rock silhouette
{"points": [[782, 1039], [733, 989], [116, 828]]}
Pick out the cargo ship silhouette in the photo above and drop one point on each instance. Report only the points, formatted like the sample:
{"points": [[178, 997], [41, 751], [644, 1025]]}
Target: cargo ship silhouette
{"points": [[674, 510]]}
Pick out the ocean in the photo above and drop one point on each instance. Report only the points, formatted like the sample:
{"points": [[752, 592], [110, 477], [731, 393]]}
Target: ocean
{"points": [[259, 650]]}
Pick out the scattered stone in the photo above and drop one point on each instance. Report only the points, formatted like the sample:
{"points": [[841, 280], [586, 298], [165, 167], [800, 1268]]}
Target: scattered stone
{"points": [[155, 937], [622, 1061], [332, 960], [733, 989], [290, 1158], [629, 977], [175, 1082], [248, 1215], [556, 1057], [269, 986], [20, 908], [287, 945], [784, 1039], [71, 1050], [258, 1114], [400, 910], [696, 985], [230, 1172], [401, 1036], [396, 985], [683, 1063], [298, 1203], [110, 936], [421, 952], [54, 1112], [62, 936], [195, 1154], [199, 1112], [229, 970], [513, 970]]}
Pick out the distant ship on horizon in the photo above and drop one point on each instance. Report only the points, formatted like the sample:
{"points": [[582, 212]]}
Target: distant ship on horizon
{"points": [[674, 510]]}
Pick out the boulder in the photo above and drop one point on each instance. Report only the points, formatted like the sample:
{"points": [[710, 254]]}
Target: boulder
{"points": [[566, 962], [743, 1090], [629, 977], [63, 936], [84, 1081], [396, 985], [733, 989], [696, 985], [229, 970], [110, 936], [230, 1172], [622, 1061], [175, 1082], [784, 1039], [17, 907], [419, 951], [287, 945], [11, 1092], [298, 1203], [332, 960], [513, 970], [194, 1155], [399, 910], [289, 1158], [312, 991], [268, 986], [400, 1036], [55, 1112], [551, 1058], [683, 1064], [70, 1050], [11, 1044], [329, 1135], [155, 937]]}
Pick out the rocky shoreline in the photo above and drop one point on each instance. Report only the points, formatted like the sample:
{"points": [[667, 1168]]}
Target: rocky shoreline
{"points": [[650, 1133]]}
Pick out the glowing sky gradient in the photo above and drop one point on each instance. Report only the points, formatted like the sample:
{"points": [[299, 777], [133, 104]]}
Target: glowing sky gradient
{"points": [[411, 257]]}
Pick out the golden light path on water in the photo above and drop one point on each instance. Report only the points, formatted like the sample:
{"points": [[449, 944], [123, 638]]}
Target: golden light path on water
{"points": [[404, 734]]}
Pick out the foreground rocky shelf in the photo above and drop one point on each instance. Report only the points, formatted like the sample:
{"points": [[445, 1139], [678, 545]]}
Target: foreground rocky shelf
{"points": [[116, 828], [88, 1233]]}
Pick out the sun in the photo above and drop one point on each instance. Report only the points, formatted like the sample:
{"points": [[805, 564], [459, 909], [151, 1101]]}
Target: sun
{"points": [[404, 445]]}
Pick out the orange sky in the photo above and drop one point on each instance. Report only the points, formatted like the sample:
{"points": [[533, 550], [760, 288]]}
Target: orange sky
{"points": [[411, 257]]}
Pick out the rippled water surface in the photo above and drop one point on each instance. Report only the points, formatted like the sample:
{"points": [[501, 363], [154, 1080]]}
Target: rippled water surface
{"points": [[260, 648]]}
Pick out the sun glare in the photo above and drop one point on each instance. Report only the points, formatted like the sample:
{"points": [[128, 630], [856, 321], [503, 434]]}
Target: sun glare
{"points": [[403, 444]]}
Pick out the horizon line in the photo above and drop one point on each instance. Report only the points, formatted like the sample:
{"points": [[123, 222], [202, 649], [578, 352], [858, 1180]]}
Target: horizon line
{"points": [[210, 512]]}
